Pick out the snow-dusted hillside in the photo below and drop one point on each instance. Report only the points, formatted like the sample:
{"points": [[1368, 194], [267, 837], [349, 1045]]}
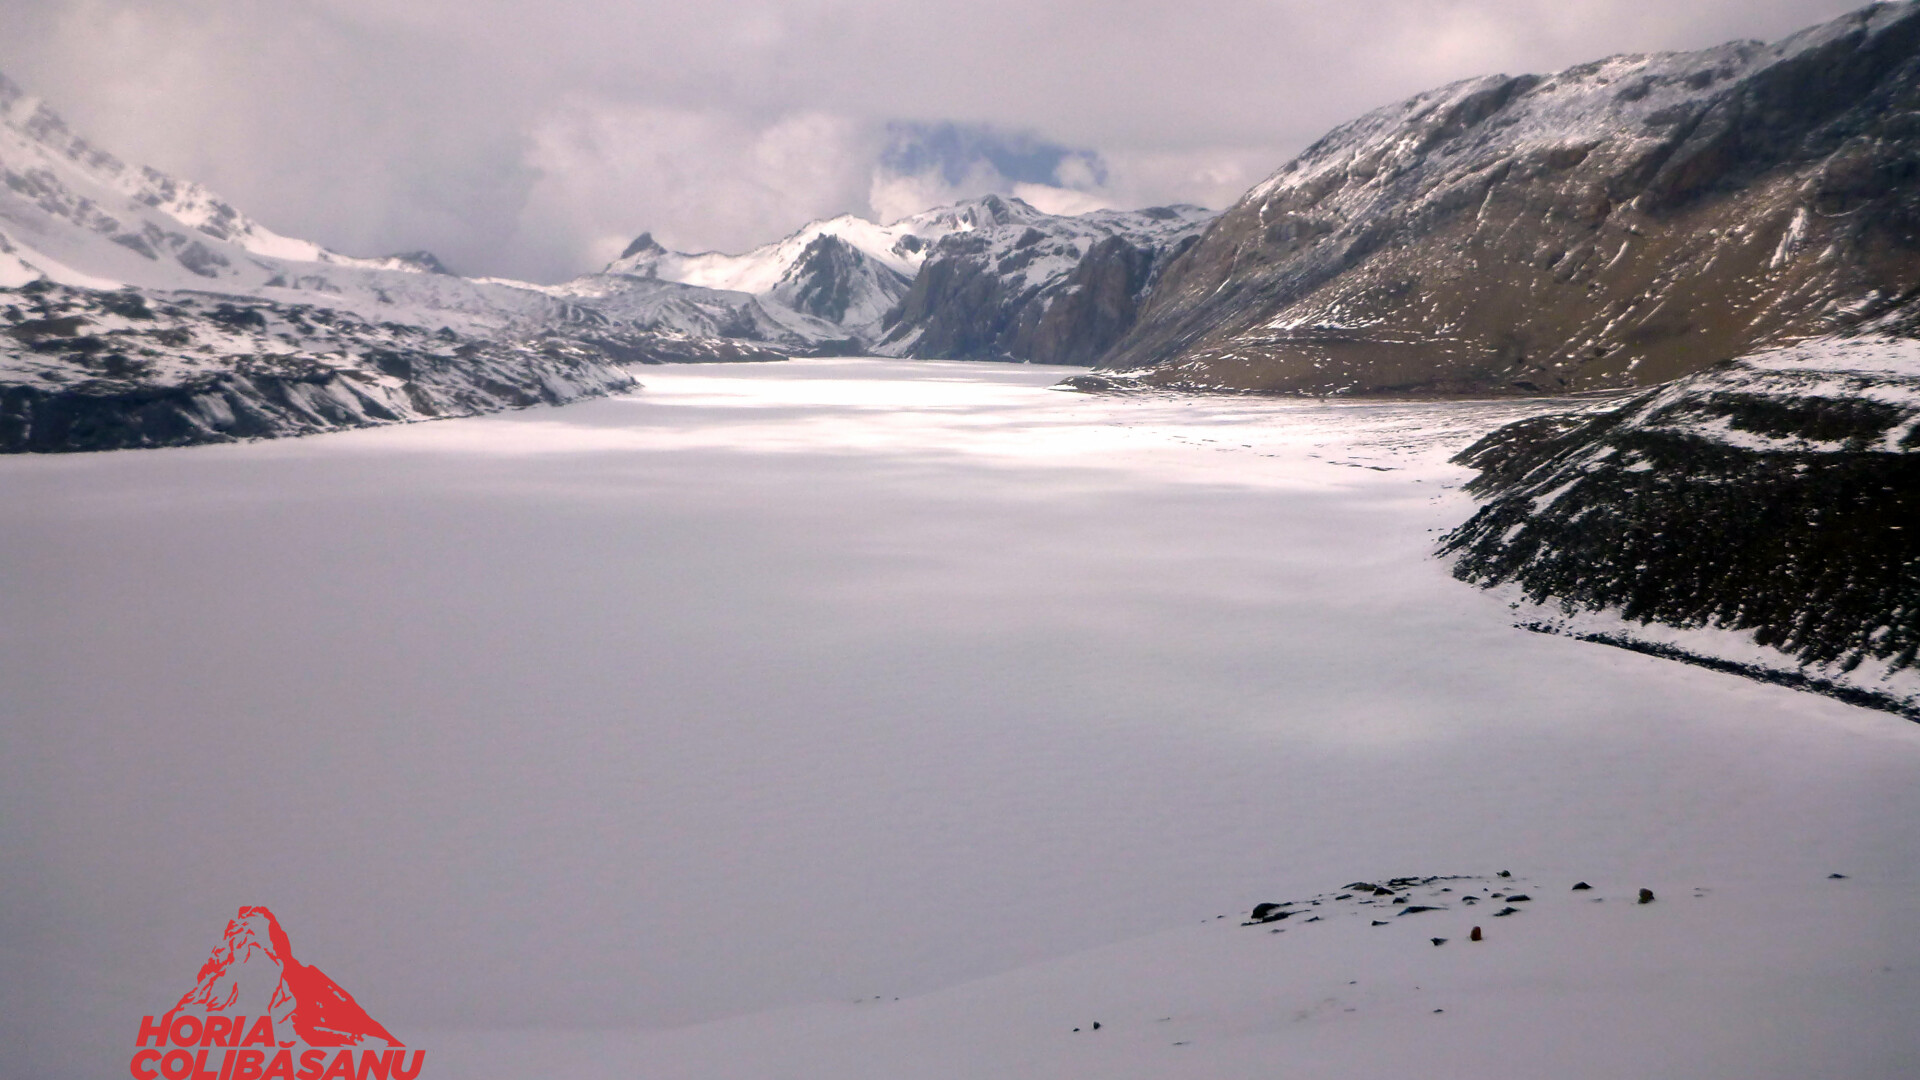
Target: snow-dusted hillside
{"points": [[137, 309], [1619, 223], [167, 223], [85, 369], [1761, 517]]}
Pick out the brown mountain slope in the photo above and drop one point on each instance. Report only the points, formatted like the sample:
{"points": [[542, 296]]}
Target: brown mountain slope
{"points": [[1618, 223]]}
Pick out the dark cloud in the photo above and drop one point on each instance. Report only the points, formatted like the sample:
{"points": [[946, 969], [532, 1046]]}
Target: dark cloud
{"points": [[533, 140]]}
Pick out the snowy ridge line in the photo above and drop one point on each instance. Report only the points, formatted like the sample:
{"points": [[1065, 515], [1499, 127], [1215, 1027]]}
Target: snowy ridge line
{"points": [[1560, 109], [900, 247], [75, 214], [43, 156], [76, 205]]}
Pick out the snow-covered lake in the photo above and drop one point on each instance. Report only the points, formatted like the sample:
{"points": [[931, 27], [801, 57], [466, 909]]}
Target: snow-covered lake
{"points": [[646, 736]]}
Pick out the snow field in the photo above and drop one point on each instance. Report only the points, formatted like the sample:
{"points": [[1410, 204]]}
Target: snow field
{"points": [[662, 734]]}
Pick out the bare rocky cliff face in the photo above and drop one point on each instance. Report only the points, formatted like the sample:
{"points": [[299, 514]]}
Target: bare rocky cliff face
{"points": [[1617, 224]]}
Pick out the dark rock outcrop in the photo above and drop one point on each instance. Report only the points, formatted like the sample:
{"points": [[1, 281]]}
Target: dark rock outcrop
{"points": [[644, 244], [1774, 501]]}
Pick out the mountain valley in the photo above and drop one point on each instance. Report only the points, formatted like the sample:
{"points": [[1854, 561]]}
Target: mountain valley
{"points": [[1739, 219]]}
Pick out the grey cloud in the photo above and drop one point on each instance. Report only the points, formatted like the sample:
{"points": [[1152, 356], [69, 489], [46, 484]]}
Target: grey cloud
{"points": [[490, 130]]}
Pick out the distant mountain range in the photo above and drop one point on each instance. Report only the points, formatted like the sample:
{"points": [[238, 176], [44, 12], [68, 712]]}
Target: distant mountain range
{"points": [[142, 310], [987, 279], [1617, 224]]}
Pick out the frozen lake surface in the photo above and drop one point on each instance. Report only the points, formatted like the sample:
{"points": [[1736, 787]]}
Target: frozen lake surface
{"points": [[645, 736]]}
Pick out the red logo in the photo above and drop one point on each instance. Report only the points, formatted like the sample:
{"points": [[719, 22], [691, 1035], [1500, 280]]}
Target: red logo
{"points": [[256, 1013]]}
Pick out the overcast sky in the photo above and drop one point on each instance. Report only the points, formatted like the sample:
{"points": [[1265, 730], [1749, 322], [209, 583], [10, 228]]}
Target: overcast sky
{"points": [[535, 139]]}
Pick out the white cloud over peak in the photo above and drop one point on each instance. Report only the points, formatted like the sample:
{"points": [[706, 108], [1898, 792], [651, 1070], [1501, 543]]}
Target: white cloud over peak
{"points": [[695, 178]]}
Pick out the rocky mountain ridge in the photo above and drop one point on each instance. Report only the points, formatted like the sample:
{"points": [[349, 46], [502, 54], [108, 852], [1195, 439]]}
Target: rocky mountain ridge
{"points": [[1616, 224]]}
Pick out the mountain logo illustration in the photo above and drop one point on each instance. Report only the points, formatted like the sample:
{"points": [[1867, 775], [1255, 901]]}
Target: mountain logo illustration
{"points": [[255, 1012]]}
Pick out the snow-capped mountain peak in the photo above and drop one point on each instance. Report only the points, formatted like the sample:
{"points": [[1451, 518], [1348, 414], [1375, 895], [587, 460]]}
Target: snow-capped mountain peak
{"points": [[901, 246], [143, 210], [844, 275]]}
